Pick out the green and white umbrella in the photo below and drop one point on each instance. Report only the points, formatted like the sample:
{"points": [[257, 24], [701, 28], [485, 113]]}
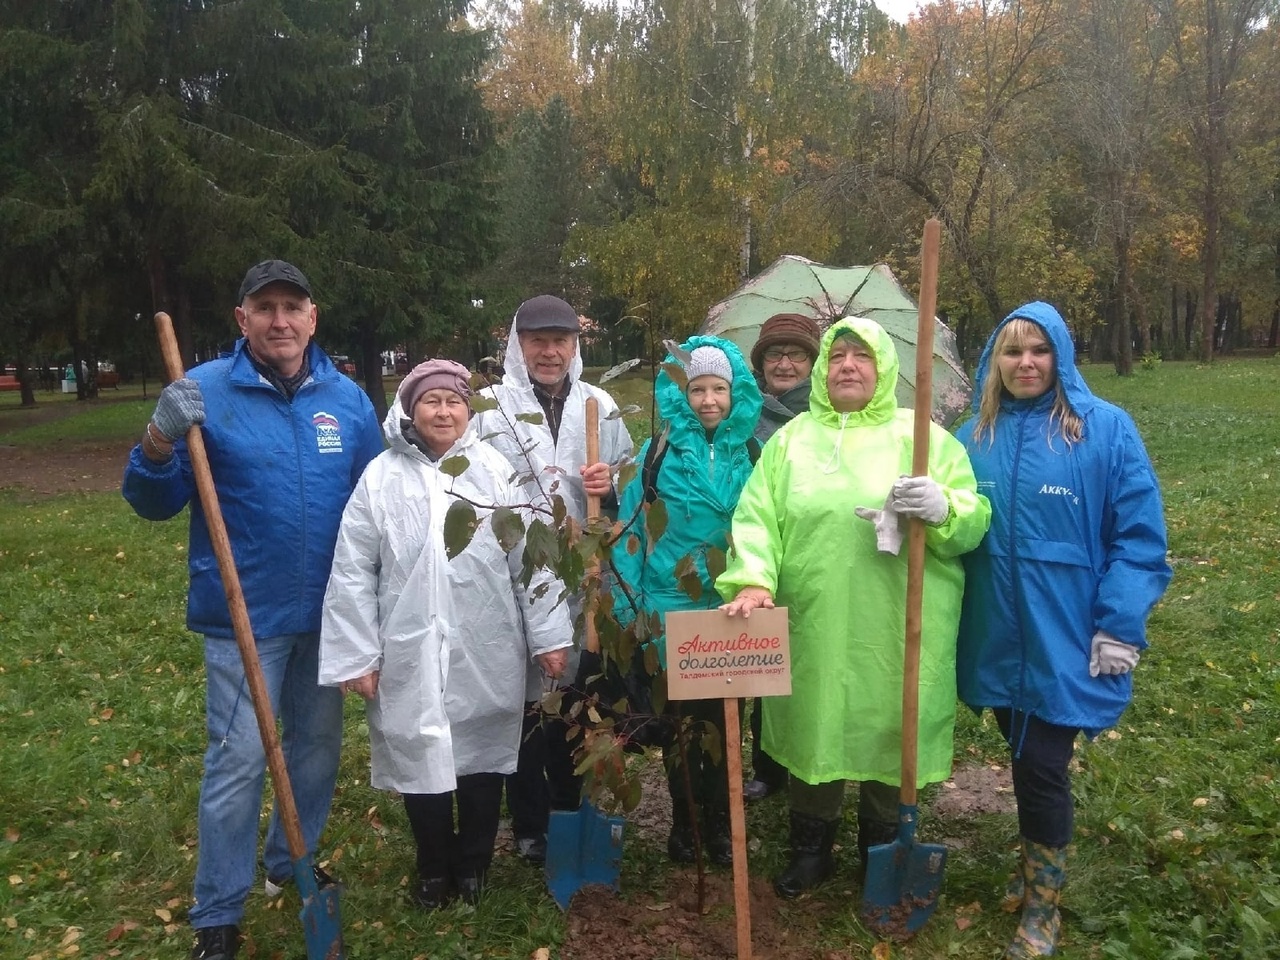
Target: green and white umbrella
{"points": [[795, 285]]}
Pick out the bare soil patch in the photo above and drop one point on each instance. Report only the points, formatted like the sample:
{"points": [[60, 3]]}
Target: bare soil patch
{"points": [[78, 467], [662, 925]]}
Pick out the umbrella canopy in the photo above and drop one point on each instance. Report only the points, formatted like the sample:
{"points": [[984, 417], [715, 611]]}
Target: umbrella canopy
{"points": [[796, 285]]}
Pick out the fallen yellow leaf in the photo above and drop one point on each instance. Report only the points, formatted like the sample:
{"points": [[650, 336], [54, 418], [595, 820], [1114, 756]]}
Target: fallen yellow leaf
{"points": [[881, 951], [164, 914], [542, 953]]}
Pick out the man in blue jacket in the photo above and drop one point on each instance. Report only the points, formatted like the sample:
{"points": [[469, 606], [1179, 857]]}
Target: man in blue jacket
{"points": [[287, 437]]}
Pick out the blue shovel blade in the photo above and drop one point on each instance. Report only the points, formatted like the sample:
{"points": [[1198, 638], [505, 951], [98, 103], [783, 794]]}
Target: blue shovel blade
{"points": [[584, 846], [321, 920], [904, 879]]}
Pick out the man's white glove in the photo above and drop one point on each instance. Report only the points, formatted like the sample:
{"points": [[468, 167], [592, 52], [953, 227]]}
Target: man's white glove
{"points": [[919, 497], [888, 526], [1111, 657]]}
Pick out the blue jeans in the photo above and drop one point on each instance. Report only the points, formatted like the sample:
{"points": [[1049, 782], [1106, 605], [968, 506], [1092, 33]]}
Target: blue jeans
{"points": [[235, 767]]}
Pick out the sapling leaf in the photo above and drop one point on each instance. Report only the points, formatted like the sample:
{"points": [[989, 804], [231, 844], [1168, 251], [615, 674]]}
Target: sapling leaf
{"points": [[626, 473], [655, 523], [710, 742], [551, 702], [691, 585], [614, 372], [535, 418], [507, 527], [459, 527], [541, 547], [480, 403], [716, 562], [658, 692], [455, 466], [677, 374]]}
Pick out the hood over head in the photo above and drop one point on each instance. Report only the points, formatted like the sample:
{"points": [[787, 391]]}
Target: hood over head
{"points": [[744, 410], [883, 403], [1069, 379]]}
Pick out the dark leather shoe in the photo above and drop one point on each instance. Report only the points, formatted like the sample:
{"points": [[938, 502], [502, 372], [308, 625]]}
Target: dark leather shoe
{"points": [[432, 893], [216, 943], [470, 888], [757, 790], [533, 849]]}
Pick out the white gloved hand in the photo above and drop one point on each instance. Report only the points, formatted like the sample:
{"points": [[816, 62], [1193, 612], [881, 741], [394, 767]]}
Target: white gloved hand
{"points": [[888, 526], [1111, 657], [919, 497]]}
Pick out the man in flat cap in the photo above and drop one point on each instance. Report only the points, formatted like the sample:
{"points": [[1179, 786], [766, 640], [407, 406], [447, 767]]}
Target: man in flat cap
{"points": [[543, 376], [287, 437]]}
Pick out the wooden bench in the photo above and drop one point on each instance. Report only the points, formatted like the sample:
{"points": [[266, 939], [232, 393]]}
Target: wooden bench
{"points": [[9, 382], [108, 378]]}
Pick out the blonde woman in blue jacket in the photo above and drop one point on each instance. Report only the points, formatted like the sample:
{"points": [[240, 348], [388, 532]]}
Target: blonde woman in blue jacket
{"points": [[706, 457], [1058, 593]]}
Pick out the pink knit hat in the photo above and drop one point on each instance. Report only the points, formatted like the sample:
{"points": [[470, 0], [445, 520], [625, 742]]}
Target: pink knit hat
{"points": [[433, 375]]}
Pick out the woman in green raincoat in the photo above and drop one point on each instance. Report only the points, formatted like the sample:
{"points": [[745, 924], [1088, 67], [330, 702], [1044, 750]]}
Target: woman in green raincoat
{"points": [[798, 542], [707, 456]]}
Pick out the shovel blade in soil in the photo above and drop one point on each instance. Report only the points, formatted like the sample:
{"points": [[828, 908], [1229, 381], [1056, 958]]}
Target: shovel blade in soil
{"points": [[321, 919], [904, 879], [584, 846]]}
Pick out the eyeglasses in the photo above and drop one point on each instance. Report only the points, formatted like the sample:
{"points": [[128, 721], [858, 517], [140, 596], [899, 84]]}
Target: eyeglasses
{"points": [[794, 354]]}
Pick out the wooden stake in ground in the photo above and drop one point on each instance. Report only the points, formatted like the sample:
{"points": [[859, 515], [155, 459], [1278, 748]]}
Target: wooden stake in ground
{"points": [[737, 826]]}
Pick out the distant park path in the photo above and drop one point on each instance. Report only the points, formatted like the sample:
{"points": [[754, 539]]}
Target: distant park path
{"points": [[64, 467]]}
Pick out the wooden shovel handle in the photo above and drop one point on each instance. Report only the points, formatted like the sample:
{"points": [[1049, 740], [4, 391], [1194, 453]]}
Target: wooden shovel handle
{"points": [[915, 529], [235, 603], [593, 513]]}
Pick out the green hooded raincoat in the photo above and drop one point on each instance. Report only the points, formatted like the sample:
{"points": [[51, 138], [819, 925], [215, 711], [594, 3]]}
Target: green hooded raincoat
{"points": [[795, 533]]}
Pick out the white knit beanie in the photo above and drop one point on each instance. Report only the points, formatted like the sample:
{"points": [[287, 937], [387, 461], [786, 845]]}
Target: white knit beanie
{"points": [[709, 360]]}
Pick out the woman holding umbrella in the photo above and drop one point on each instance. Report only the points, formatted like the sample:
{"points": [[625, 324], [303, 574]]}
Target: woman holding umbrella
{"points": [[1058, 594], [798, 542]]}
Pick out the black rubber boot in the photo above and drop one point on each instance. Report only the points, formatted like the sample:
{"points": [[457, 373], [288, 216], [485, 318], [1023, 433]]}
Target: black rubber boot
{"points": [[872, 833], [719, 838], [811, 860]]}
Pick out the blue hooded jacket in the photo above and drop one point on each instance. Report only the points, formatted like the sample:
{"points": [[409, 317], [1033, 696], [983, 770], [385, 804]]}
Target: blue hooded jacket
{"points": [[1077, 544], [283, 470], [699, 481]]}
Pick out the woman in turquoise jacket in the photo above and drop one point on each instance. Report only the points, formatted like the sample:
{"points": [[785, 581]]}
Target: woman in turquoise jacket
{"points": [[704, 456], [1057, 595]]}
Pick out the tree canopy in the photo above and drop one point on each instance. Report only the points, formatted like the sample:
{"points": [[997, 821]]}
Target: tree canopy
{"points": [[1117, 157]]}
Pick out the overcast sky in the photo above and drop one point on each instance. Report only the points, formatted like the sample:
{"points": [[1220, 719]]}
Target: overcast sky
{"points": [[898, 9]]}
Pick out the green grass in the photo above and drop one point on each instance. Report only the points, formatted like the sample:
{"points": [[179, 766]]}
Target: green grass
{"points": [[1177, 851]]}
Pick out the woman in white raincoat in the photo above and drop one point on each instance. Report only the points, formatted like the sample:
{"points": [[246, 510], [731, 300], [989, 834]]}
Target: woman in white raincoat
{"points": [[438, 648]]}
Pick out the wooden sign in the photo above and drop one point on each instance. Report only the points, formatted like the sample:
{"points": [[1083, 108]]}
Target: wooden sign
{"points": [[712, 656]]}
